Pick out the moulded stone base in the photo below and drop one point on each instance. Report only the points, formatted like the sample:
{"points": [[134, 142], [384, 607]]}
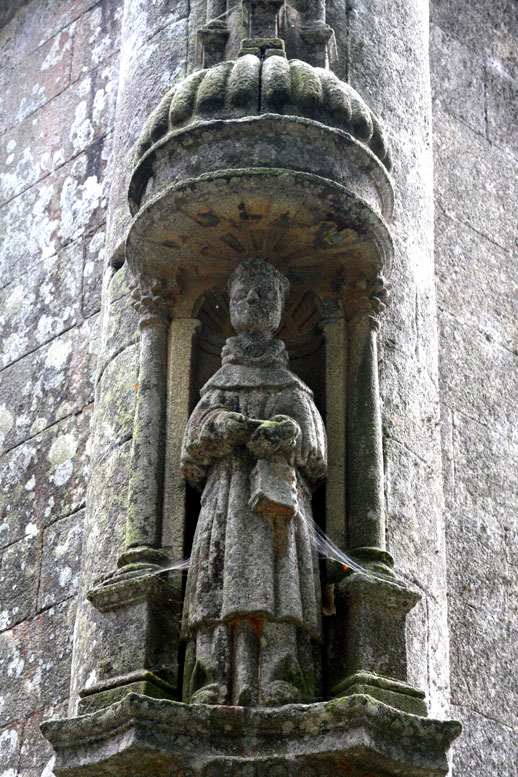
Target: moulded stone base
{"points": [[355, 736]]}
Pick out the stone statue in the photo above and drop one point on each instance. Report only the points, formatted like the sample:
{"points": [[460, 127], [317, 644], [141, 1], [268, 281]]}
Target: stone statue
{"points": [[256, 446]]}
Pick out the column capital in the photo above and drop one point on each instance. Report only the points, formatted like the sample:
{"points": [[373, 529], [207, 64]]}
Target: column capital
{"points": [[154, 299], [366, 298]]}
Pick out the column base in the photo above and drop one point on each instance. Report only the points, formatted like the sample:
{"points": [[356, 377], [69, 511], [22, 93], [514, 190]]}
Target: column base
{"points": [[370, 622], [351, 737], [141, 636], [395, 693]]}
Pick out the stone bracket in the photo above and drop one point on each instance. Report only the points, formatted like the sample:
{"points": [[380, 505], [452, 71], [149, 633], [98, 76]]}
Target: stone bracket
{"points": [[352, 737]]}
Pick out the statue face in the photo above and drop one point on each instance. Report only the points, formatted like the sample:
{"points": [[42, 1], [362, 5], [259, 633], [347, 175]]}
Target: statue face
{"points": [[256, 304]]}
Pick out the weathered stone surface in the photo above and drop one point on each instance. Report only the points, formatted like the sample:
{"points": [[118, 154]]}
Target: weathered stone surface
{"points": [[35, 662], [43, 479], [463, 160], [34, 26], [94, 261], [18, 581], [356, 734], [10, 742], [32, 388], [30, 84], [115, 408], [502, 99], [476, 377], [121, 327], [41, 304], [484, 27], [486, 748], [458, 80], [476, 280], [61, 560], [150, 69], [43, 143], [57, 210], [96, 37], [483, 459], [36, 756]]}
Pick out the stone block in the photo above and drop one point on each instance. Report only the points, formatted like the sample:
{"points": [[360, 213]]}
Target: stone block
{"points": [[487, 747], [458, 79], [483, 460], [410, 409], [44, 142], [33, 81], [35, 662], [10, 742], [462, 161], [36, 757], [61, 560], [47, 385], [414, 533], [106, 521], [483, 27], [115, 406], [121, 326], [93, 272], [479, 377], [502, 107], [18, 581], [387, 62], [41, 304], [57, 210], [151, 69], [43, 479], [483, 613], [476, 281], [97, 37], [41, 21]]}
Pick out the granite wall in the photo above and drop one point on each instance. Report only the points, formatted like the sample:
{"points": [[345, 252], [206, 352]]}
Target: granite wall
{"points": [[60, 91], [474, 73]]}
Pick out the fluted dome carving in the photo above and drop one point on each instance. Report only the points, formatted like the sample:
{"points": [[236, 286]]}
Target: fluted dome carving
{"points": [[252, 87]]}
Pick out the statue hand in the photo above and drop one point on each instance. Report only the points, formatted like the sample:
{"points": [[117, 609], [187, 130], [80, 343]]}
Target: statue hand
{"points": [[277, 435], [235, 428]]}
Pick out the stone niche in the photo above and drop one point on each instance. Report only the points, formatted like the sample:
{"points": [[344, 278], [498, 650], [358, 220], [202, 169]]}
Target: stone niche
{"points": [[258, 157]]}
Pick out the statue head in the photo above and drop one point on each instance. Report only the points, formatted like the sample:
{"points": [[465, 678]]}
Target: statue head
{"points": [[258, 293]]}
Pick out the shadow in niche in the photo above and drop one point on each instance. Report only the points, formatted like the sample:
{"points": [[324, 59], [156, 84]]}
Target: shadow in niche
{"points": [[302, 332]]}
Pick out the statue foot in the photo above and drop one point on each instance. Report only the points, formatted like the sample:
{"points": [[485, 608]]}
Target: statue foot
{"points": [[280, 692], [209, 694], [246, 697]]}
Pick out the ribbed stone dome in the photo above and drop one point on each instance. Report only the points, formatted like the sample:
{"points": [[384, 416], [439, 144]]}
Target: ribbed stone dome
{"points": [[252, 87]]}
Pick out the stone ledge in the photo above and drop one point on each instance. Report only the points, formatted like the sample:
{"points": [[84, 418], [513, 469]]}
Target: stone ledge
{"points": [[354, 737]]}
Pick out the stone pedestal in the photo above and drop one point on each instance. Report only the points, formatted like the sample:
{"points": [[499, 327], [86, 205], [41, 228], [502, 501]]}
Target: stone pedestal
{"points": [[142, 618], [371, 627], [353, 737]]}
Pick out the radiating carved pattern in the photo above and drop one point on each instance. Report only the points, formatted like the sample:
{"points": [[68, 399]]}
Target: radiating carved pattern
{"points": [[299, 329]]}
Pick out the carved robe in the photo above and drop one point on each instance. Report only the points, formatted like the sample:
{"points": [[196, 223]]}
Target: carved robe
{"points": [[245, 564]]}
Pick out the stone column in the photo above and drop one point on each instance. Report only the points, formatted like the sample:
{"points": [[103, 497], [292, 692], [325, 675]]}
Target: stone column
{"points": [[336, 374], [365, 474], [145, 489], [182, 332]]}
